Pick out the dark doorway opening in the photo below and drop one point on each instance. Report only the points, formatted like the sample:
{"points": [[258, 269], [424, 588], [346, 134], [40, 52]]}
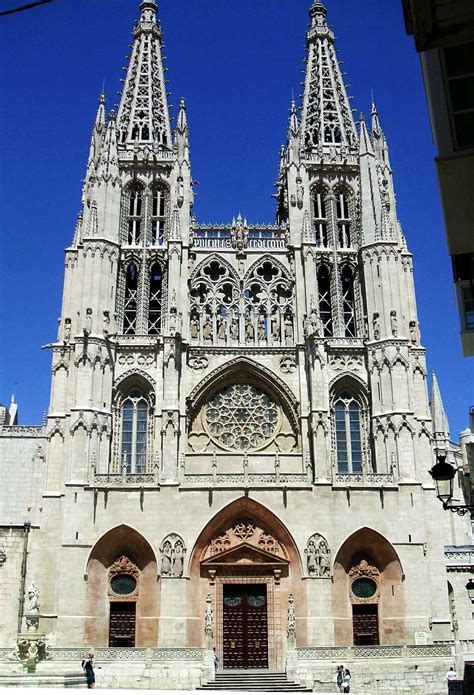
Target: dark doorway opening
{"points": [[365, 622], [245, 626], [122, 624]]}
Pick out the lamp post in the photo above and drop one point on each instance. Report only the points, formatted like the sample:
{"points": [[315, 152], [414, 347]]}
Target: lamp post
{"points": [[470, 589], [443, 474]]}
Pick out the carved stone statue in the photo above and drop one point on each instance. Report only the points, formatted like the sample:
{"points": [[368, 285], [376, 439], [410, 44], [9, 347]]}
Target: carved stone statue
{"points": [[172, 556], [311, 559], [288, 328], [194, 327], [209, 617], [166, 559], [299, 192], [106, 323], [393, 323], [376, 325], [178, 559], [88, 322], [291, 617], [234, 327], [33, 598], [249, 329], [207, 329], [67, 329], [261, 327], [275, 327], [413, 332], [180, 191], [222, 326]]}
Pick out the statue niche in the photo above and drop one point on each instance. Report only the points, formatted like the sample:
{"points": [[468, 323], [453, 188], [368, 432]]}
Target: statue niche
{"points": [[173, 552], [318, 556]]}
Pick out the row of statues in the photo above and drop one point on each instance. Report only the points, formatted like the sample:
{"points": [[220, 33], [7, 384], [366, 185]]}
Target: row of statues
{"points": [[251, 327]]}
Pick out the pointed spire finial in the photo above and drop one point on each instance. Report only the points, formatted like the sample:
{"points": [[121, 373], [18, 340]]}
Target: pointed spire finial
{"points": [[317, 7], [438, 413], [143, 115], [376, 127], [323, 126]]}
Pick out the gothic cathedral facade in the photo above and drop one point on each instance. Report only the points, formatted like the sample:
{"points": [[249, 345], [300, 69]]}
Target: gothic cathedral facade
{"points": [[239, 435]]}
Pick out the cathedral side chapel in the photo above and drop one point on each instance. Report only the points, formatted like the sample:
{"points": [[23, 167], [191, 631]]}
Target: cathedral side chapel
{"points": [[237, 447]]}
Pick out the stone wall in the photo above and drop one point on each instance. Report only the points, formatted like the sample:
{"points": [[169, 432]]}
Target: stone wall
{"points": [[22, 455], [11, 543], [399, 670]]}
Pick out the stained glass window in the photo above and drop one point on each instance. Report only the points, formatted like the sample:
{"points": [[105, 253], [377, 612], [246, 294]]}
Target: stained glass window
{"points": [[364, 587], [134, 432], [348, 434], [241, 417], [123, 584]]}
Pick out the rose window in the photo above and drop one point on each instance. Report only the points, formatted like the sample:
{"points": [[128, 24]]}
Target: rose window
{"points": [[241, 417]]}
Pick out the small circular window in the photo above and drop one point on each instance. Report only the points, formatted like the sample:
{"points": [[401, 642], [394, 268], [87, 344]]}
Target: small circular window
{"points": [[364, 588], [123, 584]]}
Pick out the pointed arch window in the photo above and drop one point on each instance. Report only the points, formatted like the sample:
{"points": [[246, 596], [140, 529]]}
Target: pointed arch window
{"points": [[134, 432], [324, 293], [158, 216], [320, 219], [131, 300], [134, 226], [214, 300], [343, 221], [347, 422], [156, 300], [348, 304]]}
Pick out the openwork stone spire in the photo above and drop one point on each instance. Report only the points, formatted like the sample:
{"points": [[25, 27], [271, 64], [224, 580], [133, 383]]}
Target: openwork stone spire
{"points": [[326, 115], [438, 413], [143, 115]]}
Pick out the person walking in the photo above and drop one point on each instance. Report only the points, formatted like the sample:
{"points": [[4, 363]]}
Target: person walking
{"points": [[346, 681], [88, 667], [340, 677]]}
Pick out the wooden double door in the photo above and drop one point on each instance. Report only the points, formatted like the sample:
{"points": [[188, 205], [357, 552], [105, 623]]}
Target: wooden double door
{"points": [[122, 624], [365, 623], [245, 626]]}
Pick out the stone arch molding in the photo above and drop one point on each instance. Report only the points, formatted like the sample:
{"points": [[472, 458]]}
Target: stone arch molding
{"points": [[173, 555], [243, 364], [214, 258], [118, 541], [134, 374], [370, 541], [244, 534]]}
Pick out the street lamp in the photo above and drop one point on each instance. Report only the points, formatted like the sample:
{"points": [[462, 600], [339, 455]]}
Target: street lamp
{"points": [[470, 589], [443, 474]]}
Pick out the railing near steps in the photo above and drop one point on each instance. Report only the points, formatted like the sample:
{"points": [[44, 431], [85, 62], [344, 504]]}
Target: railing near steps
{"points": [[336, 654], [121, 654], [398, 651]]}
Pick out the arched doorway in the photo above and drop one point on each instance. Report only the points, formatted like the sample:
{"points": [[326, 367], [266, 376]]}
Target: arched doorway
{"points": [[246, 562], [122, 595], [368, 591]]}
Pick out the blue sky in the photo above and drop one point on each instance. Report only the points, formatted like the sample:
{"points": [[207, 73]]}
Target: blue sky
{"points": [[237, 64]]}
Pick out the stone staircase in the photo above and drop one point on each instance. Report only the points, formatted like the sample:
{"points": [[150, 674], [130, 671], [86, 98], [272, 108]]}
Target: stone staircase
{"points": [[254, 680]]}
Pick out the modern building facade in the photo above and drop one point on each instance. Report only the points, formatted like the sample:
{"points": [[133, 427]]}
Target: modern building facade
{"points": [[444, 37], [237, 446]]}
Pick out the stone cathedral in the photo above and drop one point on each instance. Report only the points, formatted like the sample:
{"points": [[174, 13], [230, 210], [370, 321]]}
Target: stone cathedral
{"points": [[237, 446]]}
